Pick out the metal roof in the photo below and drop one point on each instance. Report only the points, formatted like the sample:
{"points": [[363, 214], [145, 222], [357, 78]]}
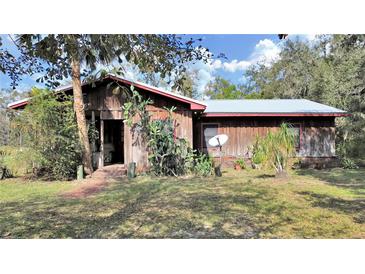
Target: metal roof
{"points": [[269, 106]]}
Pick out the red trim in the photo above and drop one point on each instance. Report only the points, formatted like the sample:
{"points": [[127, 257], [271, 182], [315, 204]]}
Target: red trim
{"points": [[19, 105], [193, 105], [211, 114]]}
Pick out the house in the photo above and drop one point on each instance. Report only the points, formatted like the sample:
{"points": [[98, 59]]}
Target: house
{"points": [[197, 121]]}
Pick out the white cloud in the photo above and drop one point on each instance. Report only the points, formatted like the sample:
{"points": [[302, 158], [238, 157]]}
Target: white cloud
{"points": [[216, 64], [265, 51], [309, 38], [236, 65]]}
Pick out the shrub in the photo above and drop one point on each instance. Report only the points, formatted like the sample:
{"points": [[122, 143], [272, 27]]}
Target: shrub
{"points": [[168, 155], [49, 137], [258, 152], [348, 163], [203, 165], [19, 161]]}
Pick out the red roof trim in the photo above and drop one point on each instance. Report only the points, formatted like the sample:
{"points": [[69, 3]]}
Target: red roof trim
{"points": [[19, 105], [211, 114], [193, 104]]}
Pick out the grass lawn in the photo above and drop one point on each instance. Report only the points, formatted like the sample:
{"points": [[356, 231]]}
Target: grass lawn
{"points": [[245, 204]]}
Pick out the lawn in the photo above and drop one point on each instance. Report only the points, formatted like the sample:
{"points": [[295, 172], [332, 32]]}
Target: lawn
{"points": [[245, 204]]}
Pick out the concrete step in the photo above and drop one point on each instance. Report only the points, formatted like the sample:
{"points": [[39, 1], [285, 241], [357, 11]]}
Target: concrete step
{"points": [[110, 171]]}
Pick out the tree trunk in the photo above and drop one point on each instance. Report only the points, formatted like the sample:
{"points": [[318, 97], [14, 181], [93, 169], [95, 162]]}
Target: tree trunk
{"points": [[80, 116]]}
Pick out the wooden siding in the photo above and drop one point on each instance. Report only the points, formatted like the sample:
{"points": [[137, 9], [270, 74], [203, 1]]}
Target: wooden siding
{"points": [[107, 106], [317, 138], [181, 115]]}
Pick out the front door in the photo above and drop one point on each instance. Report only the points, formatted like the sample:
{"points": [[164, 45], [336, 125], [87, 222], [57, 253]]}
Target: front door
{"points": [[113, 142]]}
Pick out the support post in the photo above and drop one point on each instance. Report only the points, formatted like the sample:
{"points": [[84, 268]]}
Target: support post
{"points": [[101, 163], [93, 145]]}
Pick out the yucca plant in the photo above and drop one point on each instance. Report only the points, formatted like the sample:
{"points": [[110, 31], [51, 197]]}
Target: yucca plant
{"points": [[275, 149]]}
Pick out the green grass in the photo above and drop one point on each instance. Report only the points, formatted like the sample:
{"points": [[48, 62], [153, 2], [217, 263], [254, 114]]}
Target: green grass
{"points": [[244, 204]]}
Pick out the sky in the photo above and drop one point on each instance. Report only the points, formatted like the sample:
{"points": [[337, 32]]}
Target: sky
{"points": [[240, 50]]}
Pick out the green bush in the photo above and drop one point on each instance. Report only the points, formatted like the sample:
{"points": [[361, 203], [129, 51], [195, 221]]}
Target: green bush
{"points": [[48, 135], [19, 161], [168, 155], [258, 154], [348, 163], [203, 165]]}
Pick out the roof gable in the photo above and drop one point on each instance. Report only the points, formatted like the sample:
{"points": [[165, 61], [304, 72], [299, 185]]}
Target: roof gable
{"points": [[194, 104]]}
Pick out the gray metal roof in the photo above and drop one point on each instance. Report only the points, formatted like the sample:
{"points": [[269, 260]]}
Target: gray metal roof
{"points": [[268, 106]]}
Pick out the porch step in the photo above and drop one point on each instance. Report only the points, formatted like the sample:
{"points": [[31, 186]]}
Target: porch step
{"points": [[111, 171]]}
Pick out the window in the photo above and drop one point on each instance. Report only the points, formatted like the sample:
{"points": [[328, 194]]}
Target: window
{"points": [[209, 131], [297, 131]]}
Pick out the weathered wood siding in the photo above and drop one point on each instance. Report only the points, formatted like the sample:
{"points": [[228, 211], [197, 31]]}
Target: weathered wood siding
{"points": [[317, 137], [109, 106], [181, 115]]}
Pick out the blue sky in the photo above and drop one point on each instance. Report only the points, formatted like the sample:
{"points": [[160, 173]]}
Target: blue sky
{"points": [[241, 52]]}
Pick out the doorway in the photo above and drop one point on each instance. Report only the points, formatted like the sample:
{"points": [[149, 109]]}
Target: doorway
{"points": [[113, 142]]}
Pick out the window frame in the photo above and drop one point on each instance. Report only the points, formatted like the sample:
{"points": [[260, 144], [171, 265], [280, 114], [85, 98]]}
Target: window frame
{"points": [[300, 126], [203, 136]]}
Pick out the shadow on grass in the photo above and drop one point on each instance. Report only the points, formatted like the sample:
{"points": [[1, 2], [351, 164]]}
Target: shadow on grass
{"points": [[353, 179], [355, 207], [150, 209], [265, 176]]}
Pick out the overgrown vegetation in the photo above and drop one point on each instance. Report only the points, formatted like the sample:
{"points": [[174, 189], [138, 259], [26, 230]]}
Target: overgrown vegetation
{"points": [[44, 138], [275, 149], [168, 154], [75, 56]]}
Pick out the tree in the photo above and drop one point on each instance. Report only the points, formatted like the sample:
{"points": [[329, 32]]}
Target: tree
{"points": [[16, 66], [6, 97], [50, 145], [222, 88], [63, 56]]}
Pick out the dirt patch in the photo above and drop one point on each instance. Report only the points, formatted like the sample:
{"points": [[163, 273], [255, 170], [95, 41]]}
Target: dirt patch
{"points": [[89, 187], [98, 181]]}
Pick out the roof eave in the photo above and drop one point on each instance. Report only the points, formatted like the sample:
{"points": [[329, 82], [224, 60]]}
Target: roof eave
{"points": [[18, 105], [194, 104], [227, 114]]}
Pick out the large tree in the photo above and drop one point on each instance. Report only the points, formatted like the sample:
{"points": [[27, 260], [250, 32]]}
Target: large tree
{"points": [[221, 88], [76, 56]]}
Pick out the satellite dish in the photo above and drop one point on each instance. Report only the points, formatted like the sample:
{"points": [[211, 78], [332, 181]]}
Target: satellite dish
{"points": [[218, 140]]}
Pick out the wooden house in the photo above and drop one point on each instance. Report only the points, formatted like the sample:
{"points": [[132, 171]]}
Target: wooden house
{"points": [[197, 121]]}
